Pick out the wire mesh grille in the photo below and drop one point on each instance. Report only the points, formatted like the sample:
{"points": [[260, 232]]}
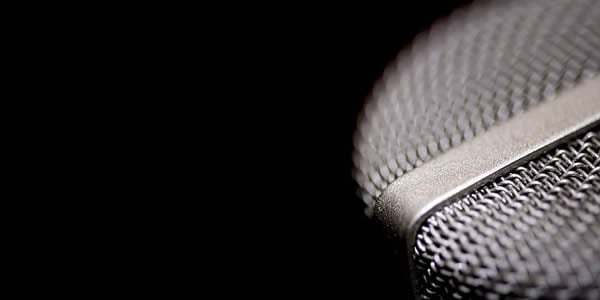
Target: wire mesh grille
{"points": [[532, 234], [479, 67]]}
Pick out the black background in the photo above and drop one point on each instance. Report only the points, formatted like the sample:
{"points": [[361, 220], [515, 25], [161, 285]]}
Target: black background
{"points": [[286, 218]]}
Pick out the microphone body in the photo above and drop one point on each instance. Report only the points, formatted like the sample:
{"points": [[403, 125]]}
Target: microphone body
{"points": [[479, 150]]}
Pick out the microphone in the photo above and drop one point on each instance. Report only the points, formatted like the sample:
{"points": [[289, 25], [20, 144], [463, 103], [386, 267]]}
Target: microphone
{"points": [[479, 151]]}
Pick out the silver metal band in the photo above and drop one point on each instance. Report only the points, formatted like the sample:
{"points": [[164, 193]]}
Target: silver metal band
{"points": [[413, 197]]}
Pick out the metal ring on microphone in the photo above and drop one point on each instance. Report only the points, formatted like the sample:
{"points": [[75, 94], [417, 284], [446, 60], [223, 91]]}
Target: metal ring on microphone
{"points": [[411, 198]]}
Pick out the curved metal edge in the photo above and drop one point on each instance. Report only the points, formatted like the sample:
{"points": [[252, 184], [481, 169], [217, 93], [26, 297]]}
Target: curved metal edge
{"points": [[409, 200]]}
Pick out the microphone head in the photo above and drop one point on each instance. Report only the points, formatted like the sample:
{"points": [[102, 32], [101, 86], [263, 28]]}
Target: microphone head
{"points": [[480, 148]]}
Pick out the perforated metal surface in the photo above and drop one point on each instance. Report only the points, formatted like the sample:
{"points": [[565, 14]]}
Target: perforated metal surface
{"points": [[532, 234], [479, 67]]}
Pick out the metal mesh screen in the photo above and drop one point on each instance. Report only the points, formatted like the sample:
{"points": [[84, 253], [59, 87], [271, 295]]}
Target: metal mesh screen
{"points": [[532, 234], [479, 67]]}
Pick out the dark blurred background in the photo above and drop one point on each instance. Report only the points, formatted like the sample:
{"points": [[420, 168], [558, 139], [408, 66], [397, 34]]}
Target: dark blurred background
{"points": [[293, 81]]}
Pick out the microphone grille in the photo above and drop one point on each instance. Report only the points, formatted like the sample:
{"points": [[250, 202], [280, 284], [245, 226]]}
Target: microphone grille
{"points": [[480, 66], [531, 234]]}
